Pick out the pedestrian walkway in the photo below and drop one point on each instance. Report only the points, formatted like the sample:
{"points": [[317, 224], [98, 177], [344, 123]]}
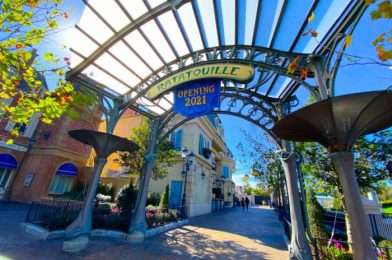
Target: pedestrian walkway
{"points": [[228, 234]]}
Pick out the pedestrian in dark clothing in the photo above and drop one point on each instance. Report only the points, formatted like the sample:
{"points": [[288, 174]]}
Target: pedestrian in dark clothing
{"points": [[247, 203], [243, 204]]}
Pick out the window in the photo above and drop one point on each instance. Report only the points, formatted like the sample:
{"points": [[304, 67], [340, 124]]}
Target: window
{"points": [[24, 130], [63, 178], [201, 144], [176, 139], [5, 174], [61, 184]]}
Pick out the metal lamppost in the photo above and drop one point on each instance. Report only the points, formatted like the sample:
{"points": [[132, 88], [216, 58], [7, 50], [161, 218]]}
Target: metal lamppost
{"points": [[188, 160]]}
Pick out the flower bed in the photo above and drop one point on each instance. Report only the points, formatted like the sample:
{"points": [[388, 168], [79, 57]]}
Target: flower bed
{"points": [[159, 217]]}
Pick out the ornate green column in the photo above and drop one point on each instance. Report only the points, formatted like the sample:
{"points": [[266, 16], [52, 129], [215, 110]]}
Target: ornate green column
{"points": [[83, 223], [299, 247], [344, 166], [137, 228]]}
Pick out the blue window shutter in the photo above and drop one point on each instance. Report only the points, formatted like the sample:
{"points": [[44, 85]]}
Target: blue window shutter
{"points": [[172, 137], [201, 144], [226, 172], [208, 144], [178, 140]]}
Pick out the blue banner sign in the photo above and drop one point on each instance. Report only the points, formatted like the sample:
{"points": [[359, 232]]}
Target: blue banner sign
{"points": [[197, 99]]}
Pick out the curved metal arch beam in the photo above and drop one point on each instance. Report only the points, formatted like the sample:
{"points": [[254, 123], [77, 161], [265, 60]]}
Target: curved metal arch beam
{"points": [[277, 69], [155, 12], [246, 99], [172, 129]]}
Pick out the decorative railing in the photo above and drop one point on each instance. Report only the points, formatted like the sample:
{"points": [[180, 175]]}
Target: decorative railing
{"points": [[54, 208]]}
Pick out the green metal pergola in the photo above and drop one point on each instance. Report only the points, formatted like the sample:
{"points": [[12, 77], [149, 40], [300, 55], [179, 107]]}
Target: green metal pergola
{"points": [[123, 48]]}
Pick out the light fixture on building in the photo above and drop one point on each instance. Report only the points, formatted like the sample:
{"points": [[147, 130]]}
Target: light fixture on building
{"points": [[203, 176]]}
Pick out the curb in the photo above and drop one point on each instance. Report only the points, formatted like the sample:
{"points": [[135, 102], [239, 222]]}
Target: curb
{"points": [[44, 234]]}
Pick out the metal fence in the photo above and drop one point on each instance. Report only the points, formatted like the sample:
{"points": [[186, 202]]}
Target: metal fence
{"points": [[54, 207], [381, 225]]}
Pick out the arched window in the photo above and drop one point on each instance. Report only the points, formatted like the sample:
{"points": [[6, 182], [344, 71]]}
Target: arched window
{"points": [[7, 165], [63, 179]]}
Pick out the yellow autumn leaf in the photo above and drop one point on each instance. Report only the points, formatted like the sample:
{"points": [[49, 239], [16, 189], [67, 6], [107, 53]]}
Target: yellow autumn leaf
{"points": [[311, 18], [4, 95], [10, 141], [348, 40]]}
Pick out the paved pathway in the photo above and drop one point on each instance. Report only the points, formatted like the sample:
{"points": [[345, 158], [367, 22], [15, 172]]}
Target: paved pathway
{"points": [[229, 234]]}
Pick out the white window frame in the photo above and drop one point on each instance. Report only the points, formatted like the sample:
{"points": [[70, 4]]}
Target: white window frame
{"points": [[30, 127]]}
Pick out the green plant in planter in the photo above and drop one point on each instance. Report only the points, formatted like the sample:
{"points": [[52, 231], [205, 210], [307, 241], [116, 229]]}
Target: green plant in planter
{"points": [[117, 222], [151, 218], [60, 221], [126, 199], [164, 203]]}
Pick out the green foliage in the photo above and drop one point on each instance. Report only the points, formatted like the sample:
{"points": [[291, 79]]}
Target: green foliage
{"points": [[105, 189], [134, 161], [59, 221], [385, 245], [164, 203], [383, 10], [337, 203], [315, 214], [153, 198], [156, 218], [371, 155], [248, 190], [260, 192], [126, 199], [23, 26]]}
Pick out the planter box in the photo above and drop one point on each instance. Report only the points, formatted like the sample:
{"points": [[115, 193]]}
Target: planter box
{"points": [[45, 234], [158, 230], [41, 232]]}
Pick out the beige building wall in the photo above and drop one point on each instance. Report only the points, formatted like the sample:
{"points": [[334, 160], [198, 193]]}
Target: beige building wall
{"points": [[198, 190]]}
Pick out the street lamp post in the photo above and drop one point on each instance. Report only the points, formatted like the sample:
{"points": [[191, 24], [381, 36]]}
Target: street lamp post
{"points": [[188, 160]]}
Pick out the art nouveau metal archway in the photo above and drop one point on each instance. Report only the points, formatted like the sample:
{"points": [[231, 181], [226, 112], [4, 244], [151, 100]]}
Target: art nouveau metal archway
{"points": [[123, 48]]}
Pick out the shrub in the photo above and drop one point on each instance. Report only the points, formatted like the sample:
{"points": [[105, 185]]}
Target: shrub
{"points": [[153, 198], [105, 189], [315, 214], [117, 222], [164, 203], [126, 199], [58, 221], [385, 245], [98, 221], [101, 211], [105, 205], [339, 252], [102, 198]]}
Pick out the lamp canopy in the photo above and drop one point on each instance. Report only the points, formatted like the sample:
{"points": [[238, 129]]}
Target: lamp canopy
{"points": [[337, 122]]}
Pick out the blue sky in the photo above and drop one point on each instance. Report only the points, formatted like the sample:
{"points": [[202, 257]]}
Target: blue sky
{"points": [[350, 79]]}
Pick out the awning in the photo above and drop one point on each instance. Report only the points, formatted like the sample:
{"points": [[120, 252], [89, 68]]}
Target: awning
{"points": [[7, 161], [67, 169]]}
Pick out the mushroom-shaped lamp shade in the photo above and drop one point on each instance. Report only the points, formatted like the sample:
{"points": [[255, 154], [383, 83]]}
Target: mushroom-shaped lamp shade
{"points": [[337, 122], [104, 144]]}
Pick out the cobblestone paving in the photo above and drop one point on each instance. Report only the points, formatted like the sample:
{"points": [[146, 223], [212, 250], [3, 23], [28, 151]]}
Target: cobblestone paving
{"points": [[229, 234]]}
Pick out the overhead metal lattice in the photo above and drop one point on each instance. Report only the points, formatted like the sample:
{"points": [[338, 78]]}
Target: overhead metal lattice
{"points": [[122, 47]]}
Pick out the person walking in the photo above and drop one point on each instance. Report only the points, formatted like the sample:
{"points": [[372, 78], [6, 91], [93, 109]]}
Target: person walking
{"points": [[247, 203], [243, 204]]}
